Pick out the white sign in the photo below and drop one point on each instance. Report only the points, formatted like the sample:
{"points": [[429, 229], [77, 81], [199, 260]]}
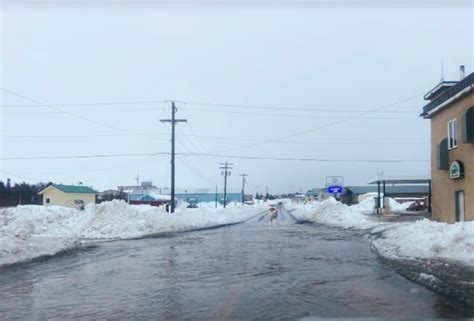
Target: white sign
{"points": [[334, 181]]}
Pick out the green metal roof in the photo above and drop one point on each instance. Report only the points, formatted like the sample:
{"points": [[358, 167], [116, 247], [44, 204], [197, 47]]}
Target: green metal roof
{"points": [[75, 189]]}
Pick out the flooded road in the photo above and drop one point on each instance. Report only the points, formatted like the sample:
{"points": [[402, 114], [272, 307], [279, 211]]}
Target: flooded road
{"points": [[250, 271]]}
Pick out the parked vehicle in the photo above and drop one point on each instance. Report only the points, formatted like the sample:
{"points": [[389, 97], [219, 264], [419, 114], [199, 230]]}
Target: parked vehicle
{"points": [[417, 206], [192, 202]]}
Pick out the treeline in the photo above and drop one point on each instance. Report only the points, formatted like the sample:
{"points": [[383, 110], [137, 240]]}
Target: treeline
{"points": [[273, 197], [20, 194], [265, 196]]}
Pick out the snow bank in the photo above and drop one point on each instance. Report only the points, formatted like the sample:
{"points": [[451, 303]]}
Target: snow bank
{"points": [[423, 239], [31, 231], [428, 240], [119, 220], [367, 205], [334, 213]]}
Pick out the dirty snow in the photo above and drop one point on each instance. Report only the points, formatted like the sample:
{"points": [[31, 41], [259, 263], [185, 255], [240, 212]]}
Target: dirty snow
{"points": [[32, 231]]}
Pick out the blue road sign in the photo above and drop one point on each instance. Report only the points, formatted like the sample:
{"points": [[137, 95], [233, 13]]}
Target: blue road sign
{"points": [[335, 189]]}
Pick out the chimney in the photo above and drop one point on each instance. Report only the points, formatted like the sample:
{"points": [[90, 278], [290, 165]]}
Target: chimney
{"points": [[462, 73]]}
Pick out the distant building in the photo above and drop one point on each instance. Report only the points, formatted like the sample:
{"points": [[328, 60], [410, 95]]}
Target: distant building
{"points": [[75, 196], [356, 194], [451, 113], [148, 199], [312, 194], [110, 195], [203, 195]]}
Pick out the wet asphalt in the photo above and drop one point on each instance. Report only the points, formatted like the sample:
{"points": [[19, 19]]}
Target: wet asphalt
{"points": [[252, 271]]}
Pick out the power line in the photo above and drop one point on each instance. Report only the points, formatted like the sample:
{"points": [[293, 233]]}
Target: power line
{"points": [[227, 112], [81, 156], [220, 138], [85, 136], [60, 110], [216, 156], [303, 116], [18, 176], [194, 170], [40, 104], [208, 104], [307, 109], [321, 127], [308, 159], [153, 102], [188, 165]]}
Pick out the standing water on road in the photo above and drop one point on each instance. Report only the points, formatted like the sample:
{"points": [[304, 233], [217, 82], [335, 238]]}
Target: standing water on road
{"points": [[250, 271]]}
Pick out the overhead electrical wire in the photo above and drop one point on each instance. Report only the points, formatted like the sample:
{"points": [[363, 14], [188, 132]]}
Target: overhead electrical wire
{"points": [[308, 159], [194, 170], [208, 104], [220, 111], [38, 103], [280, 139], [81, 156], [222, 138], [320, 127], [185, 162], [19, 176]]}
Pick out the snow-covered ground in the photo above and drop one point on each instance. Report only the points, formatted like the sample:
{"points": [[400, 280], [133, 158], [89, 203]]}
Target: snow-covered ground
{"points": [[27, 232], [32, 231], [334, 213], [423, 239]]}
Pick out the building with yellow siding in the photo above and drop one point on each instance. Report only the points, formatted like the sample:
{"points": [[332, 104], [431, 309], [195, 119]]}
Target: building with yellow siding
{"points": [[75, 196], [451, 113]]}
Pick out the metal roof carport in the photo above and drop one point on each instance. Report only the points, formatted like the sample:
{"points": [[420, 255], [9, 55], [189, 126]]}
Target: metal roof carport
{"points": [[383, 181]]}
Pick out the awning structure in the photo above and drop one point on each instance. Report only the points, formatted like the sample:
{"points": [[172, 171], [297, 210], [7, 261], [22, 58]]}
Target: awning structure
{"points": [[402, 181], [383, 181]]}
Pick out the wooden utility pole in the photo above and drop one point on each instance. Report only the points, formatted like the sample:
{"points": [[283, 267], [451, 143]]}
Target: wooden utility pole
{"points": [[225, 171], [243, 186], [173, 122]]}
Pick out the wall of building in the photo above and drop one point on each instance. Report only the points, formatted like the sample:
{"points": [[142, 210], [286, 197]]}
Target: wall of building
{"points": [[443, 188], [209, 197], [60, 198]]}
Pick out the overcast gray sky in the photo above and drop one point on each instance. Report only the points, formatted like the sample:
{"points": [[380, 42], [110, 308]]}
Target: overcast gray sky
{"points": [[332, 61]]}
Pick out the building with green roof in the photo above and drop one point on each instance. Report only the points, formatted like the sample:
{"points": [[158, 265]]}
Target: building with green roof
{"points": [[75, 196]]}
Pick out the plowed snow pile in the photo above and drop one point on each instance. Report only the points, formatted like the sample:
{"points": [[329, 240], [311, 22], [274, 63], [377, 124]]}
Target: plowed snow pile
{"points": [[423, 239], [27, 232], [334, 213], [426, 239]]}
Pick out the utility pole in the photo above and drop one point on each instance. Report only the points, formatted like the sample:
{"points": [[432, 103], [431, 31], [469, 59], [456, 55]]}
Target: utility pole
{"points": [[243, 186], [173, 122], [225, 171]]}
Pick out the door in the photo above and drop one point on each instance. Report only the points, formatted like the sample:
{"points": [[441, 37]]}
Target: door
{"points": [[459, 199]]}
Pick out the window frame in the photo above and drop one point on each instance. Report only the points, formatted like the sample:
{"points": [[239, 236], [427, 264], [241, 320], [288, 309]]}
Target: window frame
{"points": [[454, 139], [48, 200]]}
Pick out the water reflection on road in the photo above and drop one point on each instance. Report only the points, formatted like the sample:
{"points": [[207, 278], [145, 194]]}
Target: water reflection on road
{"points": [[249, 271]]}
